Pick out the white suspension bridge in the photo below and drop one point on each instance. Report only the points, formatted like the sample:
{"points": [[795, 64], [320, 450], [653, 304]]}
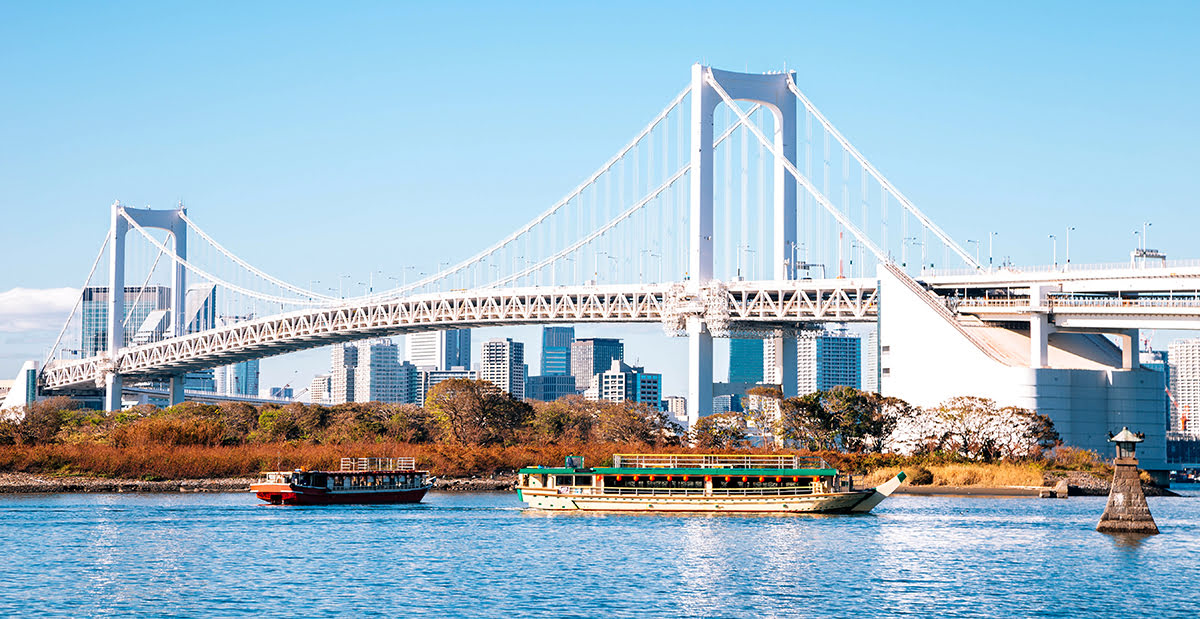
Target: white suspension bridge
{"points": [[737, 211]]}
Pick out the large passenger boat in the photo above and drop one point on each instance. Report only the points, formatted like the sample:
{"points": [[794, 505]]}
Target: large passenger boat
{"points": [[699, 483], [359, 480]]}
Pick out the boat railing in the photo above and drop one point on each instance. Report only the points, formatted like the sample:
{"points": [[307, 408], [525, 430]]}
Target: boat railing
{"points": [[716, 461], [718, 492], [379, 464]]}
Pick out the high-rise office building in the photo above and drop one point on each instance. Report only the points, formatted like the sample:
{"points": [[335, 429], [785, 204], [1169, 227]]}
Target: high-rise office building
{"points": [[592, 356], [556, 350], [341, 381], [427, 379], [377, 371], [745, 361], [827, 360], [281, 393], [238, 379], [621, 382], [549, 388], [139, 304], [441, 350], [503, 365]]}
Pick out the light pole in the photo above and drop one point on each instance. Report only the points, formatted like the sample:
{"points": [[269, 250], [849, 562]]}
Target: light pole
{"points": [[1054, 250], [976, 249], [991, 237], [404, 275], [596, 266], [340, 289], [1067, 264]]}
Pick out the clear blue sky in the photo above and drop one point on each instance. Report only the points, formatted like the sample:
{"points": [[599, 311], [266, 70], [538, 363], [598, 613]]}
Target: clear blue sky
{"points": [[316, 139]]}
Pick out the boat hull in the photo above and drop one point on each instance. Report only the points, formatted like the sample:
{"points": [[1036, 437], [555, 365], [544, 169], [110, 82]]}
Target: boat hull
{"points": [[280, 494], [831, 503]]}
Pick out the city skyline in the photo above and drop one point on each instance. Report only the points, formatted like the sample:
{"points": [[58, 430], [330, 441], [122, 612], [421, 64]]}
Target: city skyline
{"points": [[942, 123]]}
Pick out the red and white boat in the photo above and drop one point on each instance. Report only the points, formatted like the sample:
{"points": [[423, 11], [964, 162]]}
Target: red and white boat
{"points": [[360, 480]]}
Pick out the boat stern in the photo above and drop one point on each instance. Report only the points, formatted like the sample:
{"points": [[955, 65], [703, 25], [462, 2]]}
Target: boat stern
{"points": [[880, 493]]}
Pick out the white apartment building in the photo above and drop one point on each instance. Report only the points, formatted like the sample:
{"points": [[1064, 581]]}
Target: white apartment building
{"points": [[341, 380], [503, 365], [440, 350], [318, 389], [1183, 359], [377, 373]]}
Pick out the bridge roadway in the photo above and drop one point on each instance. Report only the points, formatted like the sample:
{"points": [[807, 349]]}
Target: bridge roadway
{"points": [[1116, 296], [727, 308]]}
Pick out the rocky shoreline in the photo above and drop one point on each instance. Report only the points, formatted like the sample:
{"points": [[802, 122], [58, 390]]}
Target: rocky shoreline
{"points": [[26, 483]]}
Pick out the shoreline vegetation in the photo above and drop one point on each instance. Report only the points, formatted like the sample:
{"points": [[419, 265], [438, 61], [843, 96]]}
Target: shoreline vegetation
{"points": [[474, 437]]}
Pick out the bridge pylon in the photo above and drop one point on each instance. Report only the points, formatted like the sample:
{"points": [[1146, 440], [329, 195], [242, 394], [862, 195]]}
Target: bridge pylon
{"points": [[772, 92], [172, 221]]}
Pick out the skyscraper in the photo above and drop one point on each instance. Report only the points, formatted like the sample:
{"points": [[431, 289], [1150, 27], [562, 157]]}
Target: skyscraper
{"points": [[622, 382], [318, 389], [745, 361], [377, 371], [1183, 363], [503, 365], [238, 379], [139, 303], [341, 381], [441, 350], [870, 378], [556, 350], [827, 360], [592, 356]]}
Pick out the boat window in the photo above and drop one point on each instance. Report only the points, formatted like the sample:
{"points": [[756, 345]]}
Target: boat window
{"points": [[583, 480], [564, 480]]}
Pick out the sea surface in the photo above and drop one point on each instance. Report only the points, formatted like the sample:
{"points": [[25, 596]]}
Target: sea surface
{"points": [[213, 555]]}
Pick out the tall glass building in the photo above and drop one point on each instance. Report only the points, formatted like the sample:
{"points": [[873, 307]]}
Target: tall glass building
{"points": [[827, 360], [556, 350], [592, 356], [139, 303], [745, 361]]}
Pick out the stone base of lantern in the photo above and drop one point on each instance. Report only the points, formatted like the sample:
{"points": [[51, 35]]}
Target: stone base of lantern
{"points": [[1127, 511]]}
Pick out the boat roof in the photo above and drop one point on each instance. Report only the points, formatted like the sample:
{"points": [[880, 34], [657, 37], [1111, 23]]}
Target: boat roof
{"points": [[732, 472]]}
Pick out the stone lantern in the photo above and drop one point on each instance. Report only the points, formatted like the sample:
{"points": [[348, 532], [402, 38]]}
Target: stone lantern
{"points": [[1126, 511]]}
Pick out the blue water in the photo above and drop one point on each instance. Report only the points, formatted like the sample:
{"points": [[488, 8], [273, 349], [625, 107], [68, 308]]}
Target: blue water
{"points": [[481, 555]]}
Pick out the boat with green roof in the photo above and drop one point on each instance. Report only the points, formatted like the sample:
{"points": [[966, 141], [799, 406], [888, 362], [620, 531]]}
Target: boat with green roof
{"points": [[751, 483]]}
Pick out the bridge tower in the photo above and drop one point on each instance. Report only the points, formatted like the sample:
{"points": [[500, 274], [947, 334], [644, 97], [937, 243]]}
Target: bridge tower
{"points": [[770, 90], [173, 222]]}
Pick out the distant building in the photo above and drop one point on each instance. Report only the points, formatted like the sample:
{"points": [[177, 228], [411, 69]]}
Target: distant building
{"points": [[676, 406], [503, 365], [556, 350], [440, 350], [724, 404], [238, 379], [870, 373], [745, 361], [428, 378], [139, 304], [377, 371], [341, 382], [1183, 358], [827, 360], [623, 382], [549, 388], [319, 388], [281, 393], [592, 356]]}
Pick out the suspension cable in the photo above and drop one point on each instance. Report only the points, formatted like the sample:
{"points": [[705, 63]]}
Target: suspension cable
{"points": [[248, 266], [791, 168], [78, 302], [216, 280], [883, 182], [141, 290]]}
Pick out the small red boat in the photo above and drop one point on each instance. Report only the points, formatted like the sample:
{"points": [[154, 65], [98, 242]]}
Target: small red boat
{"points": [[360, 480]]}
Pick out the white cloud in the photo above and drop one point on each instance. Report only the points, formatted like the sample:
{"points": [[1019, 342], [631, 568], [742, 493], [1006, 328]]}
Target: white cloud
{"points": [[35, 309]]}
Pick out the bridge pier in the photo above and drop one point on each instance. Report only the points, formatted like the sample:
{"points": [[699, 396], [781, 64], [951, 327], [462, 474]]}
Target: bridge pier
{"points": [[175, 390], [112, 392], [1129, 349], [700, 373]]}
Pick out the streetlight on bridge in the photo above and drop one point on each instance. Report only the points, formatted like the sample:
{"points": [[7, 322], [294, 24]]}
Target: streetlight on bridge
{"points": [[1054, 250], [991, 237], [1067, 265]]}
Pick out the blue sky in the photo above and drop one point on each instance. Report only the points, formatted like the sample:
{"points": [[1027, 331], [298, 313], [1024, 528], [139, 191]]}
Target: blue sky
{"points": [[316, 139]]}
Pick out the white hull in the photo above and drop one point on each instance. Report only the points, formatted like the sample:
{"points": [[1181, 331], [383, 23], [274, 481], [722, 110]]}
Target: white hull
{"points": [[842, 502]]}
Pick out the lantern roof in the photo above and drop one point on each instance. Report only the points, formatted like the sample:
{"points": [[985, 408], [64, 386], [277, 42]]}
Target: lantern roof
{"points": [[1125, 436]]}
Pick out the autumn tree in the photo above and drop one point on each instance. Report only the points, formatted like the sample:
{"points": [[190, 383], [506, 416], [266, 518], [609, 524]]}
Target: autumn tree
{"points": [[571, 419], [720, 431], [475, 412]]}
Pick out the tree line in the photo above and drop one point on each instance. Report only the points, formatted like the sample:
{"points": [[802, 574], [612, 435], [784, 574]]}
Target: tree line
{"points": [[476, 413]]}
